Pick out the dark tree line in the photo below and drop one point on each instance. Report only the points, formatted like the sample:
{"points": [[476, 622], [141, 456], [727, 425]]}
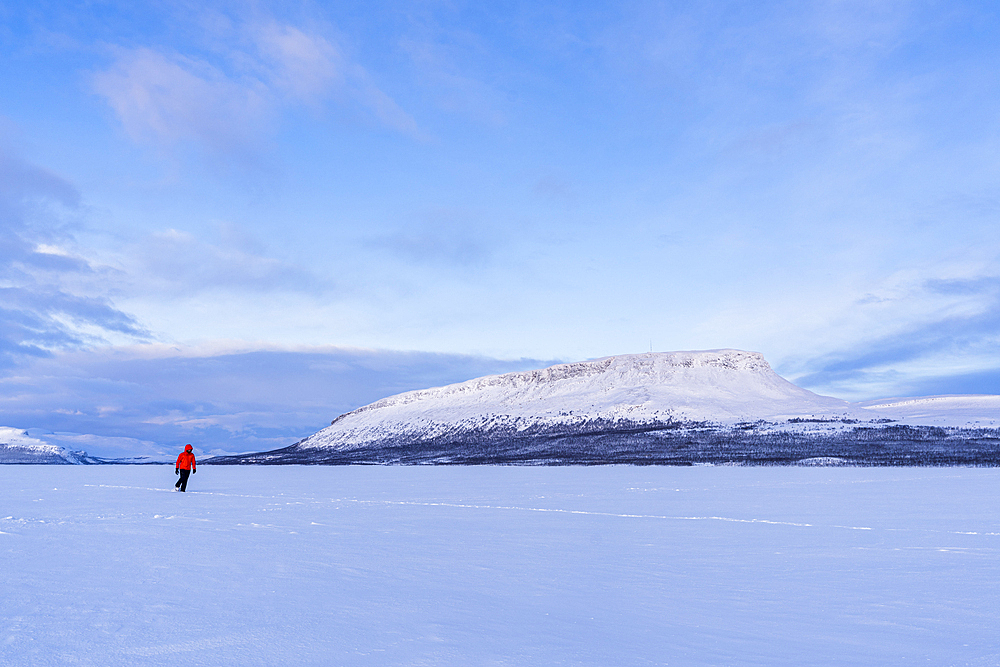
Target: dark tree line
{"points": [[670, 443]]}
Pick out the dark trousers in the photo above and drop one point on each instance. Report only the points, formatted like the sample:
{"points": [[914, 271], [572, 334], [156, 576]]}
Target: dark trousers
{"points": [[182, 483]]}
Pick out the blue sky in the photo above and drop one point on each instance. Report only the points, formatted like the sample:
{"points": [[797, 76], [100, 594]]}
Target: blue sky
{"points": [[498, 185]]}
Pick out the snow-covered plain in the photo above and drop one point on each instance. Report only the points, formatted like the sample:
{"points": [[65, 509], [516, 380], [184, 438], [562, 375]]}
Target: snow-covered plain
{"points": [[423, 565]]}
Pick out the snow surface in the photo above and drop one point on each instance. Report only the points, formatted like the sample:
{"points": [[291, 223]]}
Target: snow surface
{"points": [[424, 565]]}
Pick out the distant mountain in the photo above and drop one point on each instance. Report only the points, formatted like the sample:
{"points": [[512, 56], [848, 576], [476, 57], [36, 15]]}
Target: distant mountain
{"points": [[20, 446], [16, 446], [715, 406]]}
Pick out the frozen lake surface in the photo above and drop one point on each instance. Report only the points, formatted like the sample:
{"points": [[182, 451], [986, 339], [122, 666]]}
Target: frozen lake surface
{"points": [[106, 565]]}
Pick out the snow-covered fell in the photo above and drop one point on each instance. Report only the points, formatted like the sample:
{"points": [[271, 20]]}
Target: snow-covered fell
{"points": [[722, 387], [963, 410], [16, 446]]}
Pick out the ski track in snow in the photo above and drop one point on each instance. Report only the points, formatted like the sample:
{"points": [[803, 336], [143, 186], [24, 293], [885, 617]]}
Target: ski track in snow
{"points": [[495, 507], [515, 508]]}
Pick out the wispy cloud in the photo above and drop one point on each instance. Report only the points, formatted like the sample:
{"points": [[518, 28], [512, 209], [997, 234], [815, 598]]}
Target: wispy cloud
{"points": [[230, 99], [958, 338], [40, 311], [305, 65], [236, 400], [164, 100], [442, 238], [173, 262]]}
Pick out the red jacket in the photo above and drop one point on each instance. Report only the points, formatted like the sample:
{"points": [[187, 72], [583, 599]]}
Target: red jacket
{"points": [[186, 460]]}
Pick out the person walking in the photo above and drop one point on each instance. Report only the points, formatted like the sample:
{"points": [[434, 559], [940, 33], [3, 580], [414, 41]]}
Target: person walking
{"points": [[184, 467]]}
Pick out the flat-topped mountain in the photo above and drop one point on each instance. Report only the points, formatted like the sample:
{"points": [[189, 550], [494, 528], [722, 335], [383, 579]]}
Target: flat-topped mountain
{"points": [[714, 406], [681, 408], [717, 386]]}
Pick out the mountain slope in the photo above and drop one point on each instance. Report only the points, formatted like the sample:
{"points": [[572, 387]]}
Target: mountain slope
{"points": [[682, 408], [716, 386], [16, 446], [964, 410]]}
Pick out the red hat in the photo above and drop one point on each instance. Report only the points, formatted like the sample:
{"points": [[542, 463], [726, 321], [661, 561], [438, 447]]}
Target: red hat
{"points": [[188, 448]]}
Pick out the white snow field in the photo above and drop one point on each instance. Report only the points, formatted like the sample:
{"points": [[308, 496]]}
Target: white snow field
{"points": [[421, 565]]}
